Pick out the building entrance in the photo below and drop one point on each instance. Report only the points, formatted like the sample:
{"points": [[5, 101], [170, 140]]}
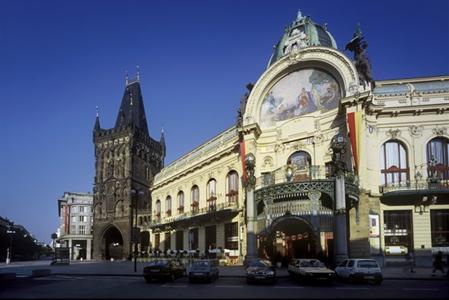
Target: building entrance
{"points": [[288, 237], [112, 244]]}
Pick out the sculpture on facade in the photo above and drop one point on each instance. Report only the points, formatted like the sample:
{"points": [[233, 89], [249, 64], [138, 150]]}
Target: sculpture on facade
{"points": [[243, 101], [358, 45]]}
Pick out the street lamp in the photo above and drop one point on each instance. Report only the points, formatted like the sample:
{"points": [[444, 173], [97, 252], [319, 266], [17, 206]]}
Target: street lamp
{"points": [[134, 231], [9, 251]]}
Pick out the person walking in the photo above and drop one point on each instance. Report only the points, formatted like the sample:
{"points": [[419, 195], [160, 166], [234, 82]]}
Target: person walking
{"points": [[411, 261], [438, 263]]}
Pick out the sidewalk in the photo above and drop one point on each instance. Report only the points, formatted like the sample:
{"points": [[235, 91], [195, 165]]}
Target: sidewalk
{"points": [[126, 268]]}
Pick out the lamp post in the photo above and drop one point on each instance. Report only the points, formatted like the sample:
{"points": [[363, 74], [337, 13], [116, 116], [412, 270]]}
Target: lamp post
{"points": [[134, 231], [9, 250]]}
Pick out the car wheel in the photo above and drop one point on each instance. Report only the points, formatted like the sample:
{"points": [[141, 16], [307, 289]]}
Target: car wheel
{"points": [[351, 279], [147, 279], [377, 281]]}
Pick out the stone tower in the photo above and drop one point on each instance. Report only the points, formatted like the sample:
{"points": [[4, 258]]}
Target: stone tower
{"points": [[126, 159]]}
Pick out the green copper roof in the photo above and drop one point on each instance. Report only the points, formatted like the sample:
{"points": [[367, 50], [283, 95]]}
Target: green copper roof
{"points": [[301, 33]]}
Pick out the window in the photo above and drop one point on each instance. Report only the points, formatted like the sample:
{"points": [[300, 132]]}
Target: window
{"points": [[168, 206], [211, 195], [73, 209], [398, 231], [211, 237], [158, 210], [167, 241], [181, 202], [81, 209], [439, 219], [301, 162], [193, 238], [179, 240], [195, 196], [72, 229], [232, 187], [438, 149], [393, 163], [351, 264], [82, 218], [157, 241], [231, 236], [73, 219], [267, 179], [82, 229]]}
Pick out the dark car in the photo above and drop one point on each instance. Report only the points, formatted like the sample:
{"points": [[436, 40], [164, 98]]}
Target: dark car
{"points": [[203, 270], [260, 271], [310, 270], [163, 269]]}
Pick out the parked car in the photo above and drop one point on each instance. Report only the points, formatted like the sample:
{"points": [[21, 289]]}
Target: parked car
{"points": [[204, 270], [260, 271], [168, 269], [310, 270], [359, 270]]}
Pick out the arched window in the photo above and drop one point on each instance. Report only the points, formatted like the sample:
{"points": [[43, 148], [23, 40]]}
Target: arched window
{"points": [[195, 198], [438, 150], [168, 206], [181, 202], [158, 210], [211, 194], [393, 163], [232, 187], [301, 162]]}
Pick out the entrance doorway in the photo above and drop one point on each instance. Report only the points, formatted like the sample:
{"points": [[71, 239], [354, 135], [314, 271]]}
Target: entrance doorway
{"points": [[113, 244], [288, 237]]}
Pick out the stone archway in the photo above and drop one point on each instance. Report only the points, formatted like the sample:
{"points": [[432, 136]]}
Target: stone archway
{"points": [[288, 237], [112, 242]]}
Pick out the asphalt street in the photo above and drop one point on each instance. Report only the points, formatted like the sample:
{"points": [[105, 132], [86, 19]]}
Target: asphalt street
{"points": [[65, 286]]}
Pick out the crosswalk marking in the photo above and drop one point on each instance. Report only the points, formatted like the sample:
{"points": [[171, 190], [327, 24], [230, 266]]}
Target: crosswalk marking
{"points": [[421, 289]]}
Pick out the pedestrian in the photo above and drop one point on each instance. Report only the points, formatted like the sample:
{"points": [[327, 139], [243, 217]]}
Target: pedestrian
{"points": [[438, 263], [410, 260]]}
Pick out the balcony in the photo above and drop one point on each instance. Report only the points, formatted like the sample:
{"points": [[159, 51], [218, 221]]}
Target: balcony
{"points": [[282, 175], [199, 215]]}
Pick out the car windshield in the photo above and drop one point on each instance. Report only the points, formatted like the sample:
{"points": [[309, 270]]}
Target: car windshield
{"points": [[367, 264], [260, 264], [311, 263], [201, 263], [159, 263]]}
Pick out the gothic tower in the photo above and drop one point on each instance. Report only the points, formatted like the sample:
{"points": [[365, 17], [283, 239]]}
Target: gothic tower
{"points": [[126, 159]]}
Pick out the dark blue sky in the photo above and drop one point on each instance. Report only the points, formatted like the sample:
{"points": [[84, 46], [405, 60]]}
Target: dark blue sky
{"points": [[60, 59]]}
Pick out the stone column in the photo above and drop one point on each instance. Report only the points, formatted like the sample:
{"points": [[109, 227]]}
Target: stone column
{"points": [[341, 234], [88, 249], [250, 183], [70, 249]]}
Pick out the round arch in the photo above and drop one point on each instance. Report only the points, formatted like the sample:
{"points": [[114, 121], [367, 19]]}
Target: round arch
{"points": [[112, 243]]}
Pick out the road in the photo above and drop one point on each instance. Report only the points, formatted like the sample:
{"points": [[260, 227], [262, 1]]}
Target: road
{"points": [[64, 286]]}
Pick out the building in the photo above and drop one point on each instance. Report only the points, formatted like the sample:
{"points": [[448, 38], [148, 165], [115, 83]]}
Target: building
{"points": [[126, 159], [306, 194], [75, 224], [323, 162]]}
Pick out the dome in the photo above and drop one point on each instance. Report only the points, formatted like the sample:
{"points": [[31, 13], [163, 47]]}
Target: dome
{"points": [[303, 32]]}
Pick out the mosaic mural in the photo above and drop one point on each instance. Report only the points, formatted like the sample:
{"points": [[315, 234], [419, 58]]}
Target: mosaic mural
{"points": [[297, 94]]}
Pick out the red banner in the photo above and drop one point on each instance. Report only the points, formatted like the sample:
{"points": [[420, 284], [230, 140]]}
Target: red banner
{"points": [[353, 137]]}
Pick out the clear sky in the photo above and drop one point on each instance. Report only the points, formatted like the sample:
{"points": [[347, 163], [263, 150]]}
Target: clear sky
{"points": [[60, 59]]}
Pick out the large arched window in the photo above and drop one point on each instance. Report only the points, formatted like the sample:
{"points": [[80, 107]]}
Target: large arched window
{"points": [[168, 206], [181, 202], [393, 163], [438, 150], [232, 187], [158, 210], [301, 162], [195, 198], [211, 194]]}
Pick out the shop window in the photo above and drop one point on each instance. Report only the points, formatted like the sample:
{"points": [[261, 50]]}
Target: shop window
{"points": [[231, 236], [439, 222], [157, 241], [193, 238], [393, 163], [167, 241], [438, 150], [398, 232], [211, 237], [180, 240]]}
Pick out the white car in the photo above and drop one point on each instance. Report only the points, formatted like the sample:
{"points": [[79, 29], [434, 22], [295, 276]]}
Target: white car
{"points": [[359, 269]]}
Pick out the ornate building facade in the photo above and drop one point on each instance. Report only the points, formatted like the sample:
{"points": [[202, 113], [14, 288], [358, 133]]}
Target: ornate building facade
{"points": [[324, 161], [126, 159]]}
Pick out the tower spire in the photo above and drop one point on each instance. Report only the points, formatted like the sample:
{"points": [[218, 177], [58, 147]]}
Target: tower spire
{"points": [[138, 72], [126, 77], [97, 121]]}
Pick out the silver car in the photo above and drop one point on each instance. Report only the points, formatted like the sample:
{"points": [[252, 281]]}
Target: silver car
{"points": [[360, 269], [203, 270]]}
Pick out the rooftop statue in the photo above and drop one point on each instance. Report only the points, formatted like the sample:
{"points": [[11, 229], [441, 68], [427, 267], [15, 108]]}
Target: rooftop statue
{"points": [[243, 101], [358, 45]]}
